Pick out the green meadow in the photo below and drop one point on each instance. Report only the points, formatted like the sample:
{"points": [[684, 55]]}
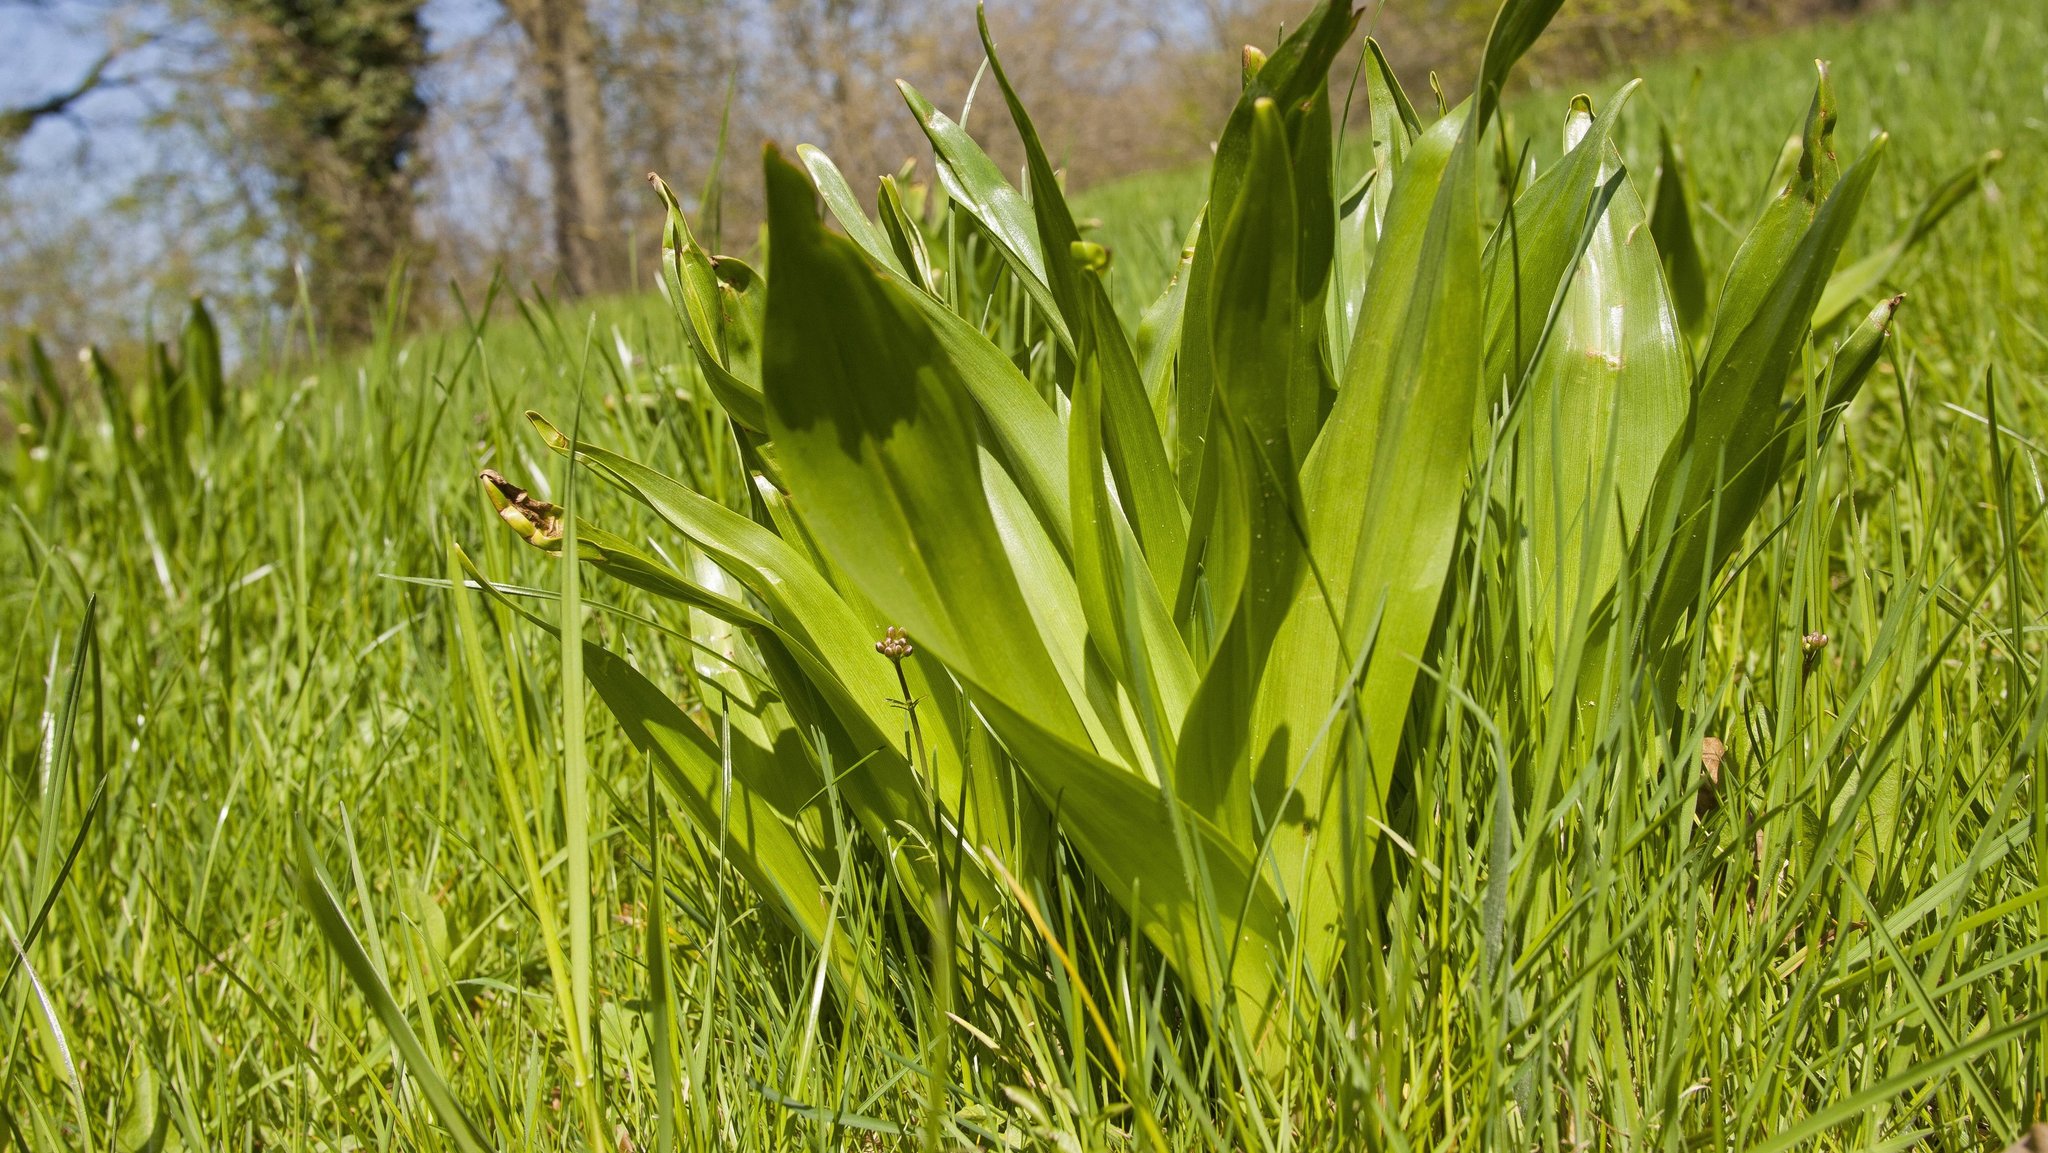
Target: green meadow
{"points": [[1349, 701]]}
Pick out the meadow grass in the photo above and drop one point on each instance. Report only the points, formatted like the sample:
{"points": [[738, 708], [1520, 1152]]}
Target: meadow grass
{"points": [[241, 689]]}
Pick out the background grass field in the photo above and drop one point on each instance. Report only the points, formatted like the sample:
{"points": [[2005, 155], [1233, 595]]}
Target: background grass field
{"points": [[209, 648]]}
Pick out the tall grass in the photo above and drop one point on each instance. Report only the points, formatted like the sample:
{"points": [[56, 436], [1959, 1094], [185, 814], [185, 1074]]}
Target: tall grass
{"points": [[245, 621]]}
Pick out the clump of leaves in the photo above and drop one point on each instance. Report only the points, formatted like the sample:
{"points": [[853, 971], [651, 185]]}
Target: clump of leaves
{"points": [[1167, 595]]}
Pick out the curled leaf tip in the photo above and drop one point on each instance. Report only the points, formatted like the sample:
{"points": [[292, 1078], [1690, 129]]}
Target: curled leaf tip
{"points": [[1712, 753], [538, 521]]}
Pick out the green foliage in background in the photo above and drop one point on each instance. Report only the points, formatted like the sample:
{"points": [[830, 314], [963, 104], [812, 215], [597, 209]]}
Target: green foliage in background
{"points": [[1465, 660]]}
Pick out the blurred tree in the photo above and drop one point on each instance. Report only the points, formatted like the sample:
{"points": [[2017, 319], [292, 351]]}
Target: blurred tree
{"points": [[342, 113], [231, 139], [564, 50], [672, 68]]}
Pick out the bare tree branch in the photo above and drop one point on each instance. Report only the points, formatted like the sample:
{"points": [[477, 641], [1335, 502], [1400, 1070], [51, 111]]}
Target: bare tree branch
{"points": [[16, 123]]}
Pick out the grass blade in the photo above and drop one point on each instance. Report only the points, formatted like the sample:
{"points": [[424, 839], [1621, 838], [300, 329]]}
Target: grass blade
{"points": [[316, 891]]}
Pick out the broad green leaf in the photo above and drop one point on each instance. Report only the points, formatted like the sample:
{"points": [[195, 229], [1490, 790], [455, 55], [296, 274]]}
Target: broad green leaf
{"points": [[1052, 592], [1419, 451], [1294, 85], [201, 363], [1223, 929], [1864, 277], [1136, 451], [613, 555], [1291, 78], [998, 813], [1394, 124], [1383, 488], [1606, 395], [974, 181], [692, 284], [1311, 151], [1194, 385], [1131, 623], [1052, 222], [541, 525], [1515, 27], [1027, 435], [743, 301], [1672, 227], [1781, 174], [906, 239], [1266, 402], [1726, 457], [689, 276], [977, 185], [1340, 464], [877, 435], [1856, 357], [878, 441], [1350, 263], [1098, 561], [1158, 337], [1027, 430], [1362, 215], [1533, 252], [846, 209], [831, 643], [1296, 79]]}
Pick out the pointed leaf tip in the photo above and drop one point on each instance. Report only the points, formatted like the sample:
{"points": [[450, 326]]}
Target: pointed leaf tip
{"points": [[792, 198], [548, 432], [1250, 62]]}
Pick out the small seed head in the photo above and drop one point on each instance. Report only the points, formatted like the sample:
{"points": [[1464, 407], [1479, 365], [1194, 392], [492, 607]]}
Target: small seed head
{"points": [[1810, 647], [895, 644]]}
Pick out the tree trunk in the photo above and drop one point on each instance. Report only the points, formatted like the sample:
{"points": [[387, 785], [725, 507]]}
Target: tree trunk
{"points": [[572, 125], [343, 114]]}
